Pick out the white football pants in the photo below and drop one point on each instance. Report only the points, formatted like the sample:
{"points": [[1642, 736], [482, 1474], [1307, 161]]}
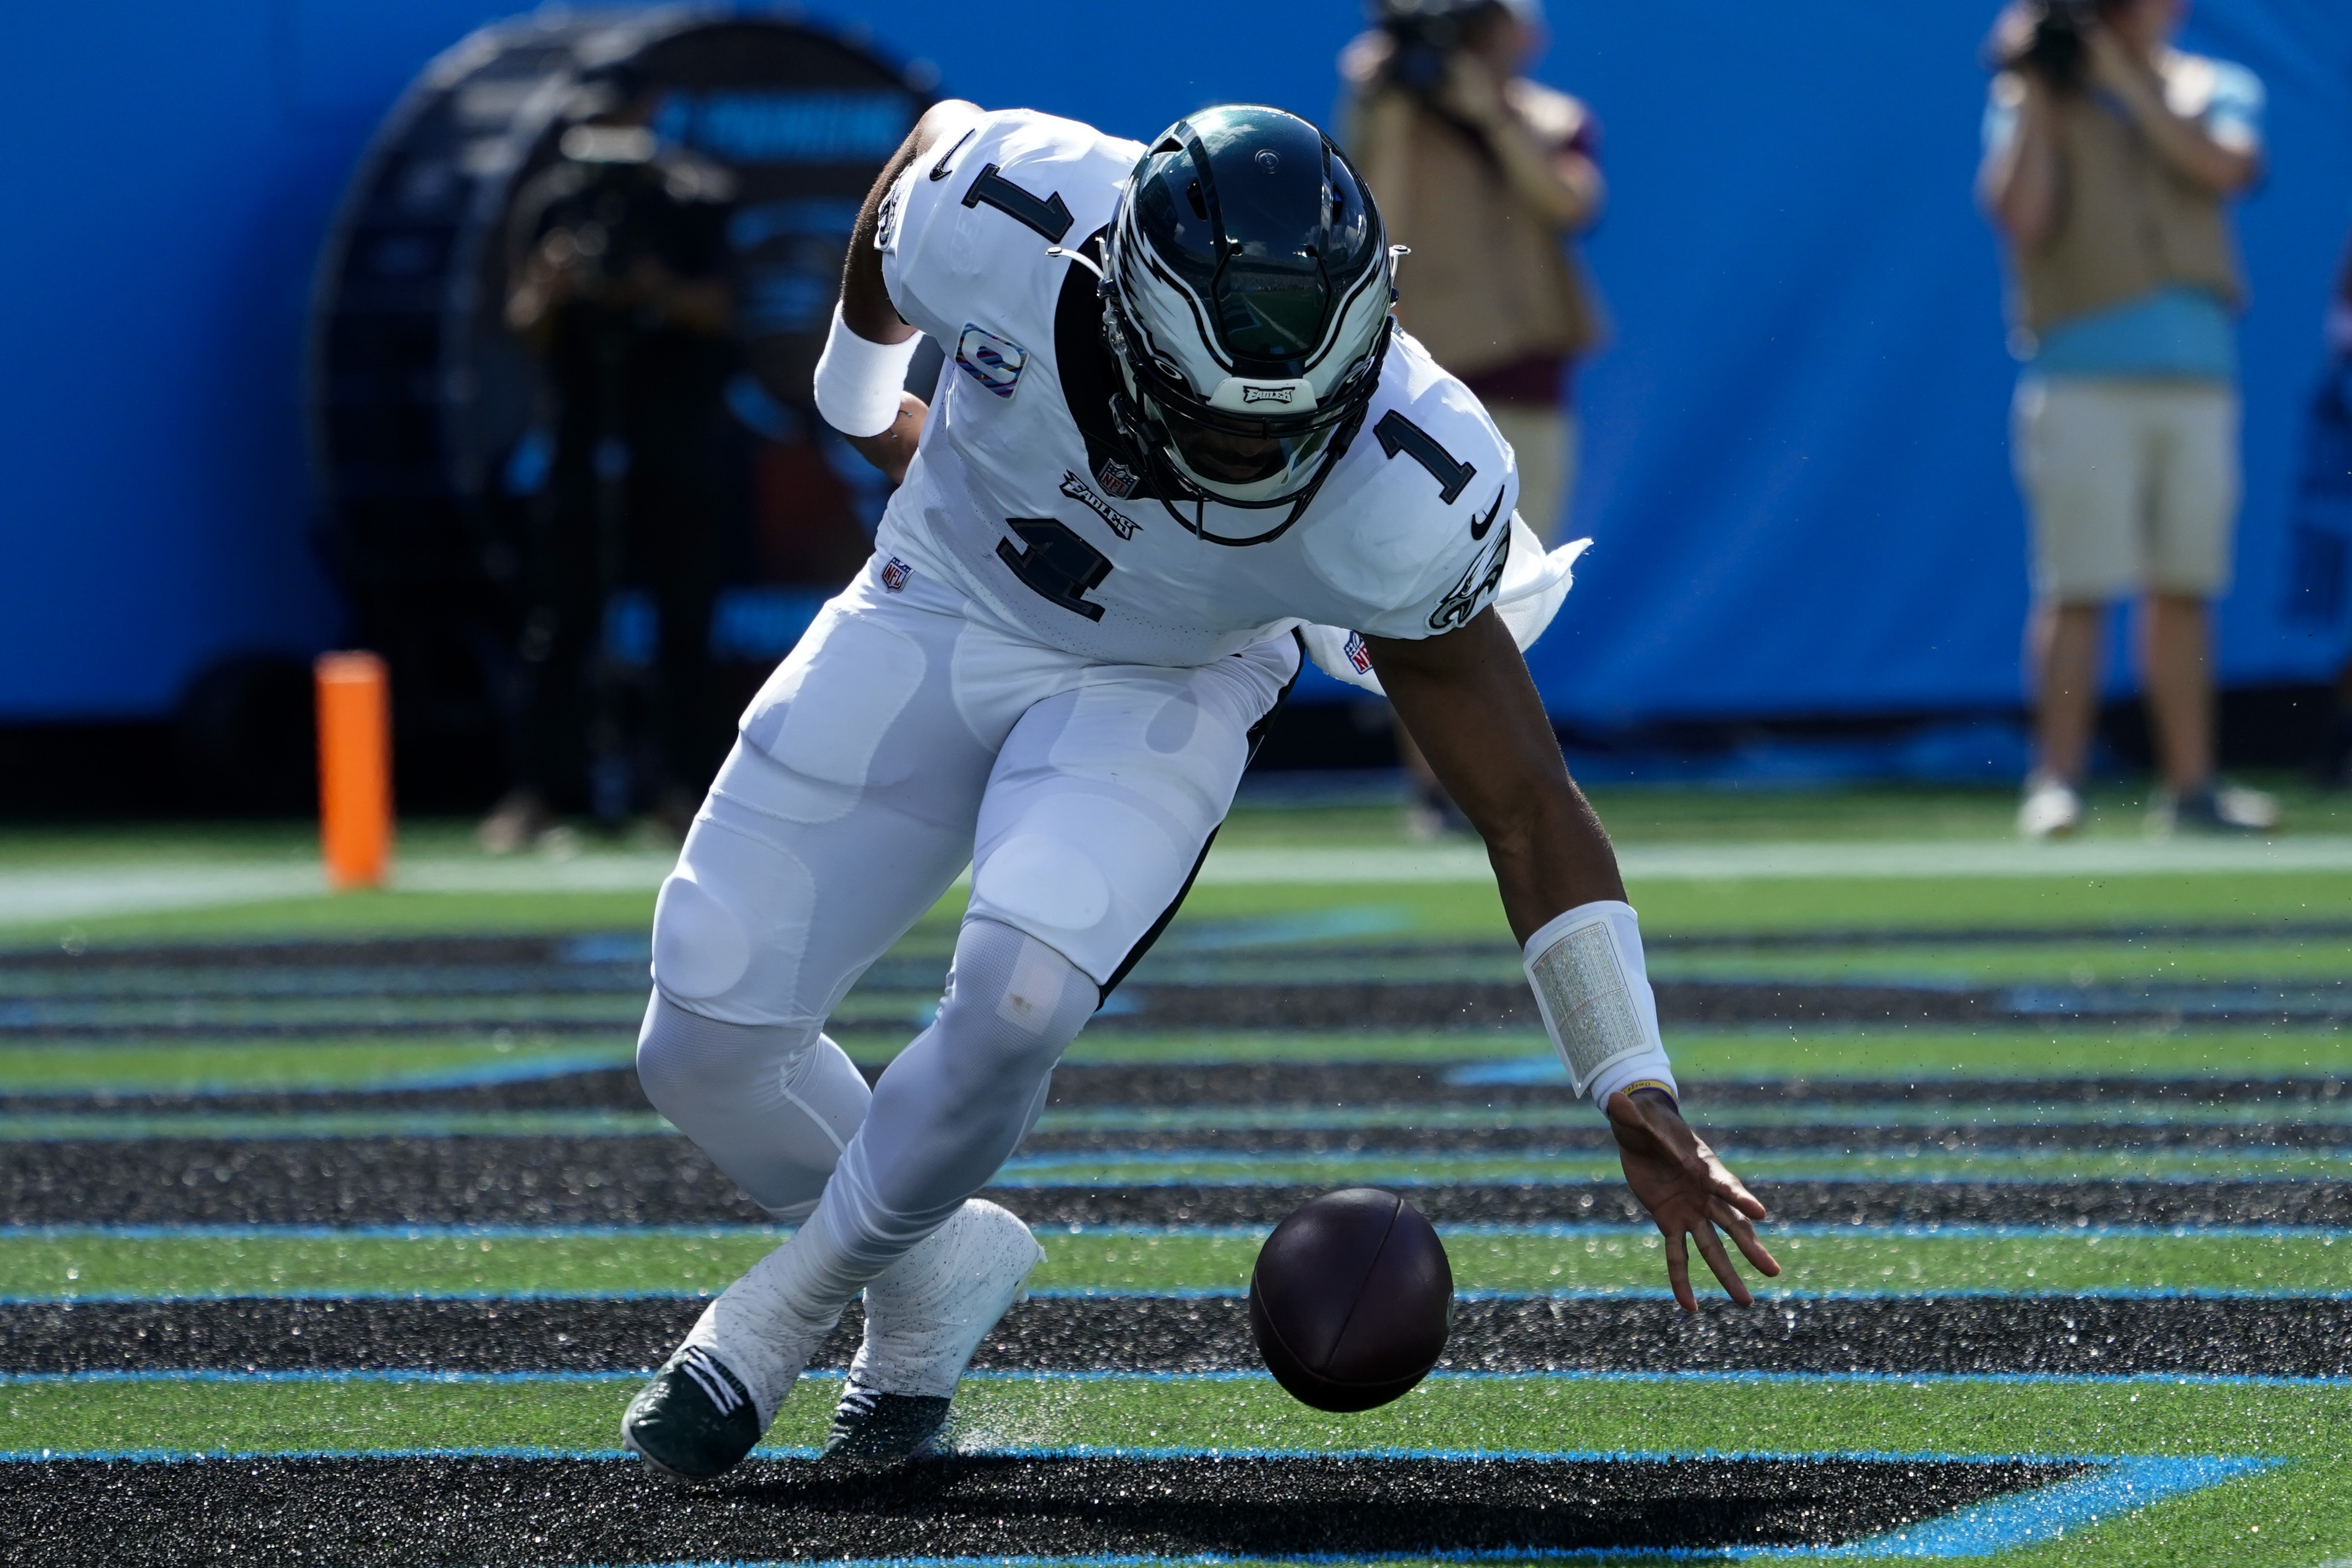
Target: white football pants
{"points": [[907, 735]]}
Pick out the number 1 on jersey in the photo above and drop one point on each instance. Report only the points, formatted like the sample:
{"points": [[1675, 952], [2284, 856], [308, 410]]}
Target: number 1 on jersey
{"points": [[1058, 564], [1397, 433]]}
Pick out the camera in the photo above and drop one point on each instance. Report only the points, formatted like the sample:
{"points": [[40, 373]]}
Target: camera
{"points": [[2056, 50], [1425, 34]]}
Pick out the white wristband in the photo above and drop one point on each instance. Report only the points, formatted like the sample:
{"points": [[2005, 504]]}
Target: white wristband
{"points": [[858, 382], [1594, 993]]}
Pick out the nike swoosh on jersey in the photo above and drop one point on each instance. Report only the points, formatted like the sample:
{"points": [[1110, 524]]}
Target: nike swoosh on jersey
{"points": [[940, 169], [1479, 525]]}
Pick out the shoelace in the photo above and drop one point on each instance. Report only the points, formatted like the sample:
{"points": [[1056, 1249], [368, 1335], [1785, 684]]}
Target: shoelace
{"points": [[857, 1402], [710, 1377]]}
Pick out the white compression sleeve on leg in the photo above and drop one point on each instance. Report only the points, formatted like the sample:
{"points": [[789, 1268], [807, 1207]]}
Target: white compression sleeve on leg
{"points": [[858, 382], [1594, 993]]}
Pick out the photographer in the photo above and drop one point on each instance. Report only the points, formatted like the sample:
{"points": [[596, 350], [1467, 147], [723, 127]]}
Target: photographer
{"points": [[2108, 155], [1485, 175], [617, 267]]}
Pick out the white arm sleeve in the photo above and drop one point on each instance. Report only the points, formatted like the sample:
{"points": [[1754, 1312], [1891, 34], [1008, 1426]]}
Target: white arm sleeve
{"points": [[1594, 993]]}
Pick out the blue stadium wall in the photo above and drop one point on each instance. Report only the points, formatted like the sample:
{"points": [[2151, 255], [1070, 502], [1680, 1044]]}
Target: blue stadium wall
{"points": [[1795, 461]]}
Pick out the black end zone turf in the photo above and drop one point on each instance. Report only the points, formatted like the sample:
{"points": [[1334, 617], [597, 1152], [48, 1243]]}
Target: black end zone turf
{"points": [[655, 1180], [358, 1513], [2274, 1337]]}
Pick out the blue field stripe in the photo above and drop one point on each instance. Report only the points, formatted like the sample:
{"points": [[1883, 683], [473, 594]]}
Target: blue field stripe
{"points": [[1337, 1165], [1548, 1229], [2030, 1518], [1560, 1230]]}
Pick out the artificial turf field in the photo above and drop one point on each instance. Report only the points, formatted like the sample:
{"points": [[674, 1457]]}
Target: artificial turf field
{"points": [[337, 1232]]}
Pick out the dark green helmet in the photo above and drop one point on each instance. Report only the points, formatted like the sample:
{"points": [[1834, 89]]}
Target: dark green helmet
{"points": [[1246, 301]]}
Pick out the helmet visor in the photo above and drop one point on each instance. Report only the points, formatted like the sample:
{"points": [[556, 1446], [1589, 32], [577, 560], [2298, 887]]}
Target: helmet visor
{"points": [[1243, 460]]}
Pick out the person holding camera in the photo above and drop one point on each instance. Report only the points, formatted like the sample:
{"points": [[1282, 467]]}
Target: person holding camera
{"points": [[2109, 155], [1485, 176], [618, 271]]}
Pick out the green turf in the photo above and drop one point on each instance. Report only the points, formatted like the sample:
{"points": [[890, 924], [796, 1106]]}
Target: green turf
{"points": [[1925, 1052], [136, 1064], [66, 1265], [2295, 1515], [1447, 910], [248, 1066], [48, 1125]]}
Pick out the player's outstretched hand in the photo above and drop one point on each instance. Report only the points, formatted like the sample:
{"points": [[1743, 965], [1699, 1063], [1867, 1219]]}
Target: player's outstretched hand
{"points": [[1687, 1191]]}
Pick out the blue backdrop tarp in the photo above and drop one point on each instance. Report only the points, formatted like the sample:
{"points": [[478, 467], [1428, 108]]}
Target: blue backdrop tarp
{"points": [[1795, 456]]}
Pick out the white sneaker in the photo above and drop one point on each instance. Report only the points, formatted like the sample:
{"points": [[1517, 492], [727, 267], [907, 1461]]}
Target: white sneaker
{"points": [[925, 1315], [2217, 809], [2051, 808], [708, 1405]]}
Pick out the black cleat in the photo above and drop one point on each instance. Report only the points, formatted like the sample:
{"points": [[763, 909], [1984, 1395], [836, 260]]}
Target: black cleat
{"points": [[871, 1427], [695, 1420]]}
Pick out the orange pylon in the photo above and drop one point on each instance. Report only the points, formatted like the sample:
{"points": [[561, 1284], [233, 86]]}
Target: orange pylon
{"points": [[354, 770]]}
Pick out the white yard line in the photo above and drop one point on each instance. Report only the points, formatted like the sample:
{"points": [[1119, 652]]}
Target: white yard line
{"points": [[64, 896], [55, 897]]}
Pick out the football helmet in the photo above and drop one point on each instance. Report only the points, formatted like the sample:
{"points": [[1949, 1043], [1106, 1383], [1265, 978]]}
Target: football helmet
{"points": [[1245, 290]]}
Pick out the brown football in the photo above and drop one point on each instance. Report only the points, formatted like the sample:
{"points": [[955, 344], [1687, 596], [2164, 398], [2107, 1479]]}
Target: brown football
{"points": [[1351, 1300]]}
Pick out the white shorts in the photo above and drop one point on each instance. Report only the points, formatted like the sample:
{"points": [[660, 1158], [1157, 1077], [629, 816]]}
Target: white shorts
{"points": [[2132, 484], [908, 735]]}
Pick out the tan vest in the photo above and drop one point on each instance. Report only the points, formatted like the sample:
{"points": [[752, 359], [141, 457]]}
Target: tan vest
{"points": [[1487, 283], [2128, 223]]}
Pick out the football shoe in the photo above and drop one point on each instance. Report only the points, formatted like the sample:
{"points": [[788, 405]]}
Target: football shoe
{"points": [[708, 1405], [925, 1315]]}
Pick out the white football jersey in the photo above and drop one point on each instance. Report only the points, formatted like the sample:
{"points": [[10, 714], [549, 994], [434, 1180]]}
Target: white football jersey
{"points": [[1017, 495]]}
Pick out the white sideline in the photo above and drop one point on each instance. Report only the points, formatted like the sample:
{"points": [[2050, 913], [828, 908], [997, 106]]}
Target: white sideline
{"points": [[53, 895]]}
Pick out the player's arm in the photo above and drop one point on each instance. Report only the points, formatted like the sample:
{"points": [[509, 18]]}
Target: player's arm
{"points": [[861, 377], [1468, 700]]}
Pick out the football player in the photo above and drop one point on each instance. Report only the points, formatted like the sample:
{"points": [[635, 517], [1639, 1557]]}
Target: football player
{"points": [[1177, 442]]}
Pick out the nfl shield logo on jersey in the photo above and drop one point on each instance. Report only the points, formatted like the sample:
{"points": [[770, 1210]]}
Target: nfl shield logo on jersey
{"points": [[895, 573], [1118, 480], [1360, 658], [994, 362]]}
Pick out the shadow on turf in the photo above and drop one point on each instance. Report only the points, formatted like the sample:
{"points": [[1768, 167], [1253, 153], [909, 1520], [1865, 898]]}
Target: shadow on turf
{"points": [[361, 1512]]}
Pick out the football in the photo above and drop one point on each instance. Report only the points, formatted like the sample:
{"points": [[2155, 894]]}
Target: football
{"points": [[1351, 1300]]}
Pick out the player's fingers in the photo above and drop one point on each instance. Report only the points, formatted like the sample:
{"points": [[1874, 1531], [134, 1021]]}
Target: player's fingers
{"points": [[1710, 1247], [1743, 1235], [1723, 1185], [1678, 1271]]}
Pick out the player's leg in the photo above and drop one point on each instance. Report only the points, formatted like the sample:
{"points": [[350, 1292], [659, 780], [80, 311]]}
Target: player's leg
{"points": [[1099, 809], [844, 812]]}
